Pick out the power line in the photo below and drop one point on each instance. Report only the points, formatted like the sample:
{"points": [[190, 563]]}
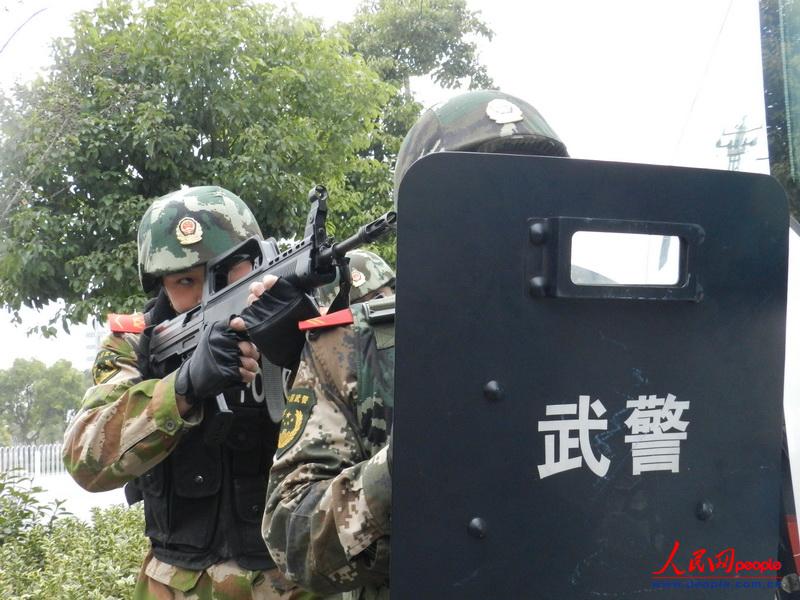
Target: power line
{"points": [[17, 30], [703, 78]]}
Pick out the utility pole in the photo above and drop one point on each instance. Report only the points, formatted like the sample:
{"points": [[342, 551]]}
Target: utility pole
{"points": [[738, 145]]}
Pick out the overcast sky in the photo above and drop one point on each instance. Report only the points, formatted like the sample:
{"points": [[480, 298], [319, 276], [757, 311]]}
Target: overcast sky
{"points": [[654, 81]]}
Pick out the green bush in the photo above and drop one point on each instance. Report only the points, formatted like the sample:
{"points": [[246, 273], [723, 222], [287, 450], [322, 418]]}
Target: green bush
{"points": [[19, 508], [49, 555]]}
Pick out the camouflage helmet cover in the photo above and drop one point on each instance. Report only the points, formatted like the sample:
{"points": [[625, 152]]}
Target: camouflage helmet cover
{"points": [[478, 121], [189, 227], [368, 271]]}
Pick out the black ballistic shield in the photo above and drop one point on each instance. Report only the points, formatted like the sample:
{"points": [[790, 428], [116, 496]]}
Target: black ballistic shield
{"points": [[563, 435]]}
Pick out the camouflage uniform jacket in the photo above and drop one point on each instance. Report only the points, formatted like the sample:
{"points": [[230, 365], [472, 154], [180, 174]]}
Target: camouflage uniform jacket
{"points": [[327, 520], [127, 425]]}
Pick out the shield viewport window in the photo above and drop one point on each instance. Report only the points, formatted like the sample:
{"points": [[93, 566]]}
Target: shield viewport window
{"points": [[607, 258]]}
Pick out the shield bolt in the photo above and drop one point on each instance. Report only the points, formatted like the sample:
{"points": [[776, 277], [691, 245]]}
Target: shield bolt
{"points": [[538, 286], [477, 528], [790, 583], [538, 233], [492, 391], [704, 510]]}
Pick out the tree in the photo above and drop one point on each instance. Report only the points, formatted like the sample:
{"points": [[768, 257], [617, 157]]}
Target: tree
{"points": [[780, 32], [401, 39], [5, 435], [405, 38], [35, 399], [140, 101]]}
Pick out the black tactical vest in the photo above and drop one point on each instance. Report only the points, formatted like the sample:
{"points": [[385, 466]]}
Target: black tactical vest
{"points": [[203, 504]]}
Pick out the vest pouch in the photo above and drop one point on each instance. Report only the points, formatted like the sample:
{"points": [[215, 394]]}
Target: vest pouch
{"points": [[246, 441], [250, 495], [152, 482], [375, 378], [196, 474], [156, 510]]}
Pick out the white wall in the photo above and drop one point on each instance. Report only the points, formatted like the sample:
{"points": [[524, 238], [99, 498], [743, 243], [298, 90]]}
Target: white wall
{"points": [[79, 502]]}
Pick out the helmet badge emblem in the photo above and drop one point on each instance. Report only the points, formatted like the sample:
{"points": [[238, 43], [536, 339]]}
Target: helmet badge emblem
{"points": [[502, 111], [357, 277], [188, 231]]}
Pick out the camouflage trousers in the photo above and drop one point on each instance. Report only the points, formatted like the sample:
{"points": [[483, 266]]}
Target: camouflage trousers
{"points": [[223, 581]]}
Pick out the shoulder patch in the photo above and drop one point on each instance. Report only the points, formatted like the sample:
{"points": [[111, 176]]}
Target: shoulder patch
{"points": [[134, 323], [105, 366], [340, 317], [295, 417]]}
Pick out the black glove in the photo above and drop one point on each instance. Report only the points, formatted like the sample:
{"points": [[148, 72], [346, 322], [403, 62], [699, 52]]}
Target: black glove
{"points": [[213, 366], [272, 320]]}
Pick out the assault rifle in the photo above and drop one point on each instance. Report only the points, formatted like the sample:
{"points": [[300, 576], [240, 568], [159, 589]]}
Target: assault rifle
{"points": [[312, 262]]}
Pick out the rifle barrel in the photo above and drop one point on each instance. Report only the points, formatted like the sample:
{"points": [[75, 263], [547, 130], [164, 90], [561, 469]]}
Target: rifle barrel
{"points": [[366, 234]]}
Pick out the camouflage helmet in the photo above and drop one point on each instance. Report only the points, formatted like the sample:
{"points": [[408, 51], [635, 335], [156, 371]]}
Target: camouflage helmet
{"points": [[188, 228], [369, 273], [478, 121]]}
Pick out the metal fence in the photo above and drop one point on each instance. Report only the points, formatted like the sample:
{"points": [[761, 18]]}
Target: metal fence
{"points": [[34, 460]]}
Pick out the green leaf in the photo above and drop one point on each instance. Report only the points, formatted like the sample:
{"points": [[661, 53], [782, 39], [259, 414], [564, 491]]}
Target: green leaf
{"points": [[143, 98]]}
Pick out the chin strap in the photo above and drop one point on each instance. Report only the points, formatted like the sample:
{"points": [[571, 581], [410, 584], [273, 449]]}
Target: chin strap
{"points": [[342, 299]]}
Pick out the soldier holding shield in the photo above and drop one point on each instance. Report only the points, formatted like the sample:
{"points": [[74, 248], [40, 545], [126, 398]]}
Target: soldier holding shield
{"points": [[328, 514]]}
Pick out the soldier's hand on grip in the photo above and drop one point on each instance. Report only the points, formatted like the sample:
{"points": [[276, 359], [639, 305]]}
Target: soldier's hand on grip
{"points": [[221, 360], [276, 307]]}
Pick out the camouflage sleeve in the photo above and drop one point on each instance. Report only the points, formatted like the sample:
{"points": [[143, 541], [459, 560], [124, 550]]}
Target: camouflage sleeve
{"points": [[327, 518], [125, 425]]}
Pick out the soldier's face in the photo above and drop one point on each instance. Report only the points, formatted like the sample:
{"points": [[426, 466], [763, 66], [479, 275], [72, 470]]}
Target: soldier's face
{"points": [[185, 288]]}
